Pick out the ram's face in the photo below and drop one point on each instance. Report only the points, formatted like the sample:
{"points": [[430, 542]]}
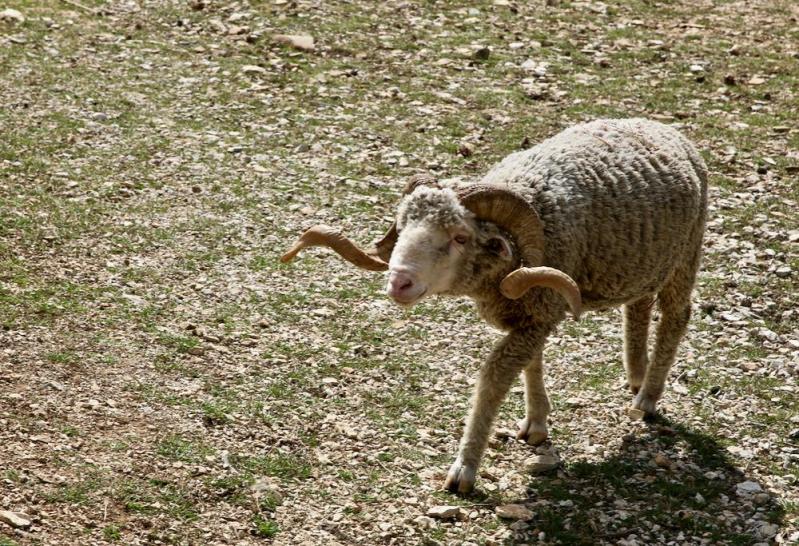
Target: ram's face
{"points": [[426, 260]]}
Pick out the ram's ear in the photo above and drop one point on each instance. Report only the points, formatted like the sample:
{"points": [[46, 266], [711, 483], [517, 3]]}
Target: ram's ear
{"points": [[500, 246]]}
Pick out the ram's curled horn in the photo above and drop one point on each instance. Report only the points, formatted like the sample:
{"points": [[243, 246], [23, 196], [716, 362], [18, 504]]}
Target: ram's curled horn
{"points": [[510, 211], [520, 281], [330, 237], [385, 246]]}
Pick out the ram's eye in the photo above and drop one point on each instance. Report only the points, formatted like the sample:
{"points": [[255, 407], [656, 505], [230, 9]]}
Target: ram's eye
{"points": [[461, 239]]}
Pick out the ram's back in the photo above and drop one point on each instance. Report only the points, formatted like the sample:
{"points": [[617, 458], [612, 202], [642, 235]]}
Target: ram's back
{"points": [[622, 201]]}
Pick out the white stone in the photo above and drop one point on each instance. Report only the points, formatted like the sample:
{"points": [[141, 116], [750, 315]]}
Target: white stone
{"points": [[514, 511], [541, 463], [444, 512], [12, 15], [302, 42], [748, 488], [17, 520]]}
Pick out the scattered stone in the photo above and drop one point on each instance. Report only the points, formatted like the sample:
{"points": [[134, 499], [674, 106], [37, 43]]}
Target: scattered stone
{"points": [[514, 511], [747, 488], [445, 512], [17, 520], [482, 54], [756, 80], [767, 530], [662, 461], [761, 498], [252, 69], [198, 350], [699, 499], [696, 68], [783, 272], [12, 16], [538, 464], [266, 487], [768, 335], [635, 414], [303, 42], [466, 149]]}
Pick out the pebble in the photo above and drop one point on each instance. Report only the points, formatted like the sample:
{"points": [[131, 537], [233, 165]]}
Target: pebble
{"points": [[748, 488], [303, 42], [768, 530], [252, 69], [761, 498], [541, 463], [17, 520], [482, 54], [445, 512], [12, 15], [514, 511], [783, 272], [662, 461], [636, 414]]}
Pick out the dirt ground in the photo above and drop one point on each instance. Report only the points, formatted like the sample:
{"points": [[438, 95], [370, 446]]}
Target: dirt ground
{"points": [[165, 380]]}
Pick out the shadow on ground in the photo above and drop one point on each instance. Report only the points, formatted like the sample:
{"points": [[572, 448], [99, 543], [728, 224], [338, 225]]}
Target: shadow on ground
{"points": [[688, 493]]}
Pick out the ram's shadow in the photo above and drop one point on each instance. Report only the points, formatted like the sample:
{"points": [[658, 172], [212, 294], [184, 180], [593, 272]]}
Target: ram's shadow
{"points": [[688, 494]]}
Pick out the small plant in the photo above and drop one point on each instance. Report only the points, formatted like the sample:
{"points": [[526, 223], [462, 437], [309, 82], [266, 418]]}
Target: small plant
{"points": [[265, 528], [112, 533]]}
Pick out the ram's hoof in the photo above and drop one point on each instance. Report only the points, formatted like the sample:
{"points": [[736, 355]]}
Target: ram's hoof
{"points": [[460, 478], [645, 403], [531, 432]]}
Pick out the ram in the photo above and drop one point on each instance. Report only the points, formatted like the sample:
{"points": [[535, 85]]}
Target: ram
{"points": [[605, 214]]}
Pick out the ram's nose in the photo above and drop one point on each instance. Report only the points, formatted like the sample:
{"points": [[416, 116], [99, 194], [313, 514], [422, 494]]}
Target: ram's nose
{"points": [[403, 287]]}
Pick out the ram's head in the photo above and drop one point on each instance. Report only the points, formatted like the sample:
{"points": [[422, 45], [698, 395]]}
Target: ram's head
{"points": [[447, 241]]}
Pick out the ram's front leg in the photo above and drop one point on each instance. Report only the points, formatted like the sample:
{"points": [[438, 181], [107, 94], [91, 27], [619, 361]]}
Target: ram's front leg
{"points": [[533, 428], [509, 357]]}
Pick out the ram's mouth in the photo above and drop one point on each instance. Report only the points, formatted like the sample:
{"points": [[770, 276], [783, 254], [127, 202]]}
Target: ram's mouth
{"points": [[410, 302]]}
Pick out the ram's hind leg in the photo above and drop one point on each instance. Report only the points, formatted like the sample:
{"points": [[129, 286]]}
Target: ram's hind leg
{"points": [[674, 302], [637, 315], [533, 428]]}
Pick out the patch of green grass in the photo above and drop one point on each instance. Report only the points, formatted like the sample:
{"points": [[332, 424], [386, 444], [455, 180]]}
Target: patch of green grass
{"points": [[216, 413], [264, 528], [112, 533], [280, 465], [179, 448], [77, 493]]}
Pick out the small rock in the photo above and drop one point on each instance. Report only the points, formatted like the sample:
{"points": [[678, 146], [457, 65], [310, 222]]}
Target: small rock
{"points": [[199, 350], [794, 434], [699, 499], [303, 42], [756, 80], [635, 414], [252, 69], [17, 520], [768, 530], [662, 461], [12, 16], [538, 464], [482, 54], [445, 512], [783, 272], [729, 79], [761, 498], [768, 335], [425, 522], [696, 68], [747, 488], [514, 511], [466, 149]]}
